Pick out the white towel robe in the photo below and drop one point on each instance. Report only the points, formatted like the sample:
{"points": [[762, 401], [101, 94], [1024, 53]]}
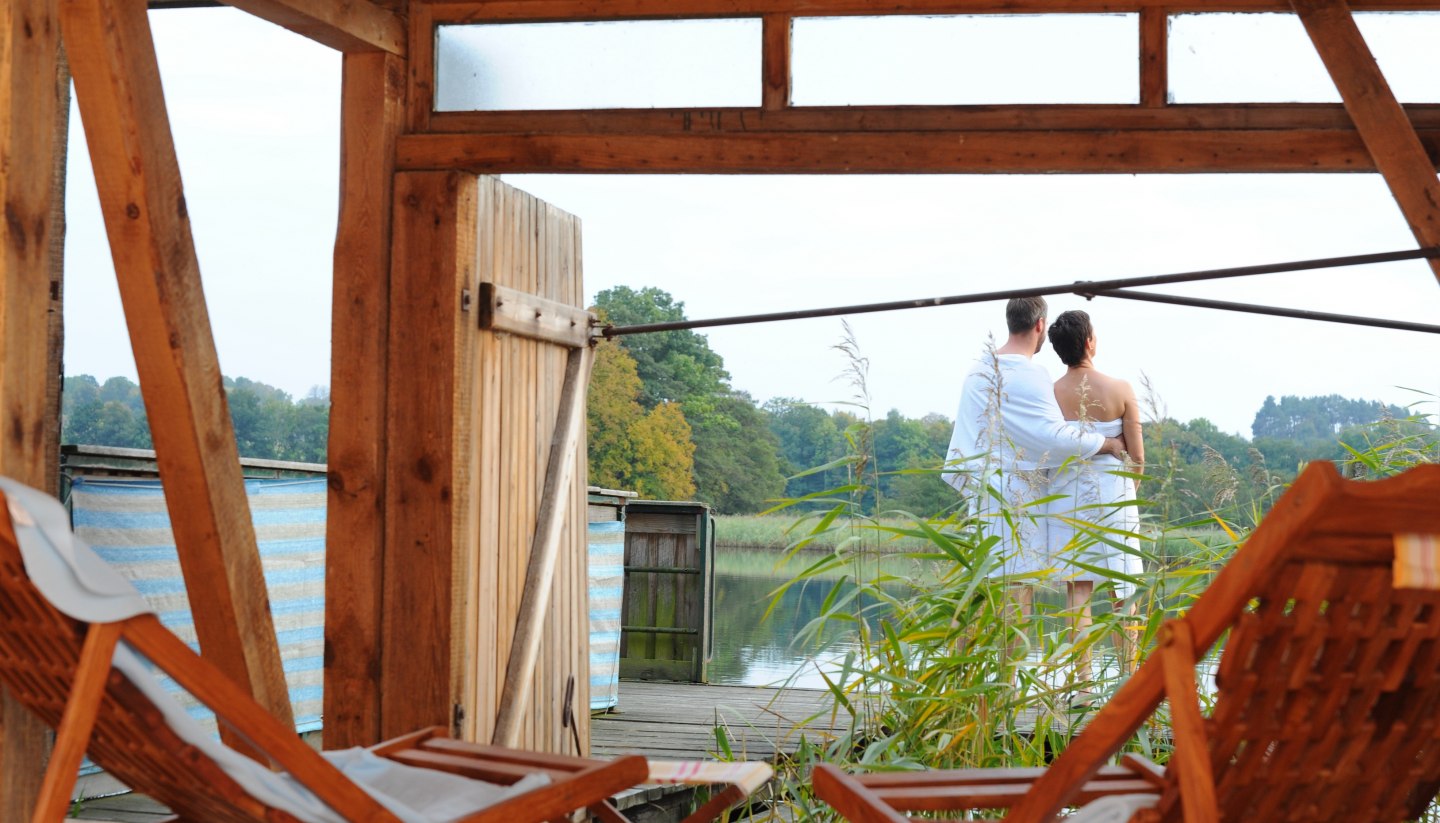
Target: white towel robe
{"points": [[1009, 433]]}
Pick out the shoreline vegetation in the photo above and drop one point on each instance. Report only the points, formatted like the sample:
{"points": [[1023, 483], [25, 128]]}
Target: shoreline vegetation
{"points": [[781, 533]]}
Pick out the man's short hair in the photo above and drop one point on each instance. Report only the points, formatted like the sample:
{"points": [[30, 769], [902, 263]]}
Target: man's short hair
{"points": [[1022, 313], [1069, 334]]}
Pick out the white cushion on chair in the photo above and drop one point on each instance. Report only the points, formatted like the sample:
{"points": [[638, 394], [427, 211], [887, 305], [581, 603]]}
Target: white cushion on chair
{"points": [[1117, 808], [81, 585]]}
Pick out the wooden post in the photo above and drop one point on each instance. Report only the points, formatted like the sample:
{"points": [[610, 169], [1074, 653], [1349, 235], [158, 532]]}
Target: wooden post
{"points": [[1154, 56], [776, 93], [555, 503], [29, 365], [117, 83], [427, 486], [373, 87], [1383, 125]]}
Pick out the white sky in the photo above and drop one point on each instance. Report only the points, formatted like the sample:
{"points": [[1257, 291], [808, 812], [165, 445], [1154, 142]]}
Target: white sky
{"points": [[258, 141]]}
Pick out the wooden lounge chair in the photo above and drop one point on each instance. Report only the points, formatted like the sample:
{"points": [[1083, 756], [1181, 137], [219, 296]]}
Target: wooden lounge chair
{"points": [[1328, 701], [81, 677]]}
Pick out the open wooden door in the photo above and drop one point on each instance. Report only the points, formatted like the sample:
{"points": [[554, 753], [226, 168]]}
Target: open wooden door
{"points": [[474, 412]]}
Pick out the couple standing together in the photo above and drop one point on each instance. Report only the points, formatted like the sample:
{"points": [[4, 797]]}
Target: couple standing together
{"points": [[1020, 439]]}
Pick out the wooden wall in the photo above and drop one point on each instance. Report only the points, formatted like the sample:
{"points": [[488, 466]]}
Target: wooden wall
{"points": [[526, 244], [470, 418]]}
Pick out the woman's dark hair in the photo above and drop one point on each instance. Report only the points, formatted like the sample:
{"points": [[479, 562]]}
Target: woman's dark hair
{"points": [[1069, 334]]}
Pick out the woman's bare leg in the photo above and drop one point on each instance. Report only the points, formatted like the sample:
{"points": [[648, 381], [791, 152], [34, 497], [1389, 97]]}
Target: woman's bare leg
{"points": [[1077, 606], [1020, 605]]}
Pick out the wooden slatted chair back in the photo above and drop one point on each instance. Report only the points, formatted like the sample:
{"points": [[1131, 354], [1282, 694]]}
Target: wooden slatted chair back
{"points": [[1327, 705], [1326, 687], [39, 655]]}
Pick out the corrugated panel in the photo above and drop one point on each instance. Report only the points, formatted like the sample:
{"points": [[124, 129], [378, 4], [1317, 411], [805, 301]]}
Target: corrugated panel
{"points": [[127, 524], [607, 588]]}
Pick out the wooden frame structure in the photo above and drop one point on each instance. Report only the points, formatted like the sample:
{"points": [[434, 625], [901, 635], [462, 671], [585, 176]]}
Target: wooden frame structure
{"points": [[389, 130]]}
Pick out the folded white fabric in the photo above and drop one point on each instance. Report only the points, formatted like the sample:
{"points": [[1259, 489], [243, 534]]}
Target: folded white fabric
{"points": [[1117, 808], [78, 583]]}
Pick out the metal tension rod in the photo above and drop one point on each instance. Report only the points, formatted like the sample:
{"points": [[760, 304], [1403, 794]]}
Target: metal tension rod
{"points": [[1250, 308], [1081, 287]]}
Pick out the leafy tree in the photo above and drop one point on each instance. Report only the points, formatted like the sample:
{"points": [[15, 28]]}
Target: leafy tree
{"points": [[612, 410], [267, 423], [664, 454], [672, 365], [737, 464], [807, 437]]}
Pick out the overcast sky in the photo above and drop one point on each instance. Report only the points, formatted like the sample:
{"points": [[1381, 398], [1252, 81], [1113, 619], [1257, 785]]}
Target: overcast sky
{"points": [[258, 145]]}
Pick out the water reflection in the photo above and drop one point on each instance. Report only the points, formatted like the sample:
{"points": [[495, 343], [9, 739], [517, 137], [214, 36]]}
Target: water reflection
{"points": [[752, 650]]}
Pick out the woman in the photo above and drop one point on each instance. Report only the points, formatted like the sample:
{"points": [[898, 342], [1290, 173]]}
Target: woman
{"points": [[1092, 491]]}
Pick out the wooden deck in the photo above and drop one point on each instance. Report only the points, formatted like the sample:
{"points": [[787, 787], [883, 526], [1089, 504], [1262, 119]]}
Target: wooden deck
{"points": [[677, 721], [669, 721]]}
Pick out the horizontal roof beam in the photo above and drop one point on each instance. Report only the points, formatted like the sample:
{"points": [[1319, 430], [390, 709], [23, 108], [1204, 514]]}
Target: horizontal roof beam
{"points": [[344, 25], [537, 10], [930, 152], [1250, 116]]}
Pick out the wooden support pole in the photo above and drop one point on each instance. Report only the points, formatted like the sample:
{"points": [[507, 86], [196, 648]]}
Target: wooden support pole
{"points": [[372, 96], [117, 83], [776, 70], [427, 486], [545, 546], [1388, 134], [1154, 57], [30, 129]]}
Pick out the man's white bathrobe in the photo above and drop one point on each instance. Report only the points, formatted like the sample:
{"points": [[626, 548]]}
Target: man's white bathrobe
{"points": [[1009, 433]]}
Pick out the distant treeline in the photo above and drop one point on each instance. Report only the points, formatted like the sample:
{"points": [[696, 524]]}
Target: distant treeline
{"points": [[269, 423], [665, 421]]}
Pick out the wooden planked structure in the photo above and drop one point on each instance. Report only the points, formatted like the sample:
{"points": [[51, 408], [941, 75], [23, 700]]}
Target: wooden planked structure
{"points": [[669, 591], [426, 555], [531, 247]]}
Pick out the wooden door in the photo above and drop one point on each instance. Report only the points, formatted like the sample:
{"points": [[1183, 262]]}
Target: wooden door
{"points": [[470, 417]]}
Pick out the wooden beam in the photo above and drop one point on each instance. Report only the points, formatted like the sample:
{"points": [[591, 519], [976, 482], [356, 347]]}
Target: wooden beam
{"points": [[427, 486], [1390, 138], [344, 25], [30, 134], [447, 11], [775, 94], [420, 65], [1154, 57], [117, 83], [1113, 152], [879, 119], [556, 501], [372, 102], [516, 312]]}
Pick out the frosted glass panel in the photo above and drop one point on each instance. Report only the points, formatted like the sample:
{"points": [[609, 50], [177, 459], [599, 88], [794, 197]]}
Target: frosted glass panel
{"points": [[620, 65], [1268, 58], [968, 59]]}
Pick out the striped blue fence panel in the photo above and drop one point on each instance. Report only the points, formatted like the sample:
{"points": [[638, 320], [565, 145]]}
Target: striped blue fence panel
{"points": [[126, 522], [607, 588]]}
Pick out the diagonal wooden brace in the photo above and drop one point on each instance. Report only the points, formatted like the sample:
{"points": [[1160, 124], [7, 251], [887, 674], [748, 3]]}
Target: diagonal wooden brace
{"points": [[1386, 130], [540, 573]]}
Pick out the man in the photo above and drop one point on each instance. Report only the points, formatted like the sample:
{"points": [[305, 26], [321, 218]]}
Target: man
{"points": [[1009, 432]]}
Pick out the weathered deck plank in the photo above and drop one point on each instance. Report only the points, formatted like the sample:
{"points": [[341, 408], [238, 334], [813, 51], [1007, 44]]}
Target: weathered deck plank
{"points": [[677, 721]]}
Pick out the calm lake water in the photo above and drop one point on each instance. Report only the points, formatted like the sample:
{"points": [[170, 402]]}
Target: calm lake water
{"points": [[751, 649]]}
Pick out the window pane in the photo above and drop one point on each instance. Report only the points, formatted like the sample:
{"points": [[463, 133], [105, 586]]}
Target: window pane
{"points": [[627, 64], [1268, 58], [971, 59]]}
